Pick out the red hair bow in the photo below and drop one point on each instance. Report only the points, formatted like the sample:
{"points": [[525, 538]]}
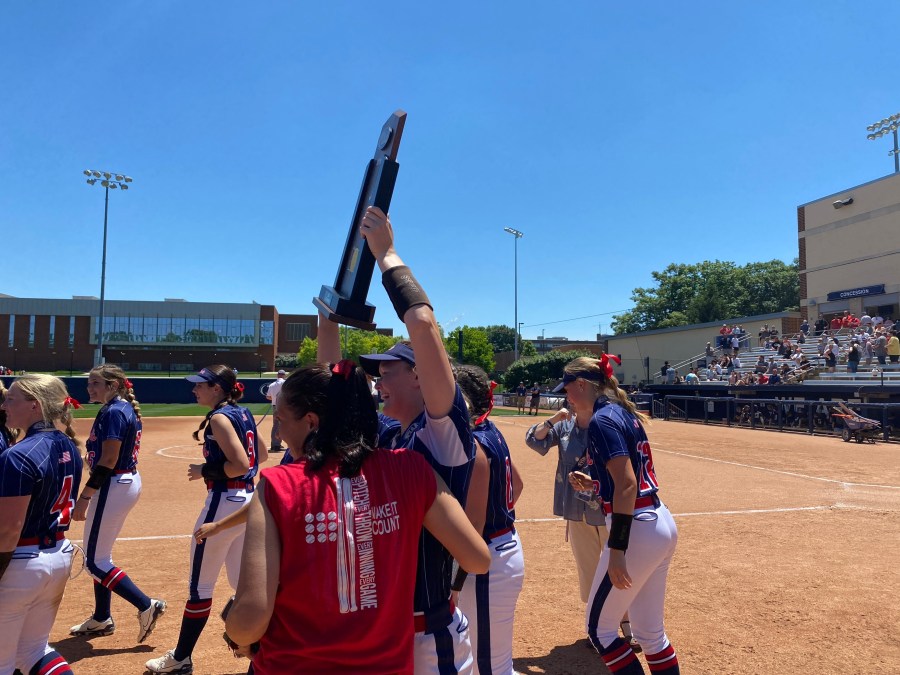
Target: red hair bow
{"points": [[71, 402], [490, 399], [344, 367], [128, 384], [606, 366], [239, 386]]}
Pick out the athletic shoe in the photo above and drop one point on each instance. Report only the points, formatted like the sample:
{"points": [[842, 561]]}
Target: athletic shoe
{"points": [[147, 618], [167, 664], [91, 628]]}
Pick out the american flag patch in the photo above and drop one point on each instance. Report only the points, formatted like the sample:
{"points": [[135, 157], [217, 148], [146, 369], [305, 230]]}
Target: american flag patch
{"points": [[65, 457]]}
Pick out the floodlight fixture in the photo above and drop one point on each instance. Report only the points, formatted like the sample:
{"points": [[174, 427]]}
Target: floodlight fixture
{"points": [[888, 125]]}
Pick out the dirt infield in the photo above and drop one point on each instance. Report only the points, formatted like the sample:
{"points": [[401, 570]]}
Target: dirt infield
{"points": [[786, 561]]}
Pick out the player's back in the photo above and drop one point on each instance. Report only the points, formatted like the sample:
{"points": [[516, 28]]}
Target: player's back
{"points": [[500, 506]]}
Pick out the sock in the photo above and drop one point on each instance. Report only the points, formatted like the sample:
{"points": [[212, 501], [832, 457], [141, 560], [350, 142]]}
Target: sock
{"points": [[196, 614], [664, 662], [620, 659], [51, 664], [128, 591], [102, 600]]}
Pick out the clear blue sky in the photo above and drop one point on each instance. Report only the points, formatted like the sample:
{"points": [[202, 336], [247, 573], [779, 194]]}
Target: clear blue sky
{"points": [[619, 137]]}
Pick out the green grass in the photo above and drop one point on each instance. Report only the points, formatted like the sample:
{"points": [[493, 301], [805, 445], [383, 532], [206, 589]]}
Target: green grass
{"points": [[168, 410]]}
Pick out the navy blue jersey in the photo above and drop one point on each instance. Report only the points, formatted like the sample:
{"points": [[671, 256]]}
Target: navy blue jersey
{"points": [[448, 446], [47, 466], [500, 506], [388, 427], [615, 432], [116, 421], [245, 428], [4, 443]]}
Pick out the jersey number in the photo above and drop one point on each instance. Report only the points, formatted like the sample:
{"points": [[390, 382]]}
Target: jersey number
{"points": [[251, 448], [137, 446], [648, 474], [510, 497], [64, 503]]}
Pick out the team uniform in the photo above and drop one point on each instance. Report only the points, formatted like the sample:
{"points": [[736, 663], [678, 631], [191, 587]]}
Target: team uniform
{"points": [[614, 432], [46, 466], [344, 591], [223, 498], [442, 639], [272, 392], [107, 512], [489, 600]]}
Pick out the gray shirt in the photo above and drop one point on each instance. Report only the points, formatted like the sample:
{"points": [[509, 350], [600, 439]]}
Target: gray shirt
{"points": [[572, 443]]}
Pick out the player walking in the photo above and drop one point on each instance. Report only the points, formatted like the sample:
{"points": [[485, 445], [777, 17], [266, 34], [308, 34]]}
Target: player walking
{"points": [[489, 600], [621, 473], [272, 392], [418, 389], [39, 476], [233, 453], [108, 497]]}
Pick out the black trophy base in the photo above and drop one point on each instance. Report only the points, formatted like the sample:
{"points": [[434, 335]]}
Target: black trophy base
{"points": [[343, 310]]}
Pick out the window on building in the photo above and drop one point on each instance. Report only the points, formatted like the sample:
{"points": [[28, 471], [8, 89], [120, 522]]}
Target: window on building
{"points": [[52, 335], [31, 331], [296, 332], [266, 332], [12, 329], [71, 332]]}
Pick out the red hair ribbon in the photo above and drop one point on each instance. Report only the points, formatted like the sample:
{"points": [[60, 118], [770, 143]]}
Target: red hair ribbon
{"points": [[128, 384], [239, 386], [71, 402], [605, 365], [490, 399], [344, 367]]}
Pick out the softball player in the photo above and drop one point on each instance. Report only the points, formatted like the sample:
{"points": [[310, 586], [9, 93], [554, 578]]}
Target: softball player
{"points": [[337, 599], [39, 476], [107, 499], [233, 452], [419, 392], [622, 475], [489, 600]]}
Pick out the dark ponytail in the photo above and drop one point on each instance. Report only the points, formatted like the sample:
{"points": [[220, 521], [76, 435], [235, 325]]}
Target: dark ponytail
{"points": [[234, 392], [348, 421]]}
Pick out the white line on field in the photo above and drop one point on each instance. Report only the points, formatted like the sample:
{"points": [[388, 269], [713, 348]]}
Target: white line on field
{"points": [[162, 452], [785, 473]]}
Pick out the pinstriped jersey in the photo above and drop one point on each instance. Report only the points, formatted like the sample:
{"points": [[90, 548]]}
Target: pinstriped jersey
{"points": [[116, 421], [615, 432], [500, 505], [45, 465], [388, 427], [245, 427], [448, 446]]}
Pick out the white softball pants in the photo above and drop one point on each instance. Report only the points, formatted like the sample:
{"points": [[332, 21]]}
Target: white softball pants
{"points": [[103, 525], [222, 549], [446, 651]]}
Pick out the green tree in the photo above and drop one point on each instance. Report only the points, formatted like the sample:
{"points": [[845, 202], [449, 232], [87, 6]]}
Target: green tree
{"points": [[308, 351], [502, 338], [546, 369], [526, 349], [711, 291], [477, 349]]}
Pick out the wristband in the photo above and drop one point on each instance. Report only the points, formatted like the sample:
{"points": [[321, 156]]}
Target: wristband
{"points": [[99, 475], [619, 531], [549, 424], [85, 497], [459, 580], [403, 289], [214, 471]]}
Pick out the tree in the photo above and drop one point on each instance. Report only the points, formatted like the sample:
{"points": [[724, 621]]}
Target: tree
{"points": [[308, 351], [502, 338], [544, 369], [198, 335], [711, 291], [526, 348], [477, 349]]}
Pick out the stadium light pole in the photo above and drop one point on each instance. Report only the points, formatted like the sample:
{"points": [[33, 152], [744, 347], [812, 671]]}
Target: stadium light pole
{"points": [[518, 235], [115, 181], [882, 128]]}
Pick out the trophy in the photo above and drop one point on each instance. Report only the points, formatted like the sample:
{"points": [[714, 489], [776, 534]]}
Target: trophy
{"points": [[345, 302]]}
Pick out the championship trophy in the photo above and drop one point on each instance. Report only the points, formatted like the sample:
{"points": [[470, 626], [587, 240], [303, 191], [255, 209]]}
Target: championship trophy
{"points": [[345, 302]]}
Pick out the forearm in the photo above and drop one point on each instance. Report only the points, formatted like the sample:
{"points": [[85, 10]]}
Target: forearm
{"points": [[328, 341], [239, 517]]}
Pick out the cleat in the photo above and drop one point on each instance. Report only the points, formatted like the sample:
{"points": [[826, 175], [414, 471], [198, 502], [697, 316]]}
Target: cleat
{"points": [[91, 628], [635, 646], [167, 664], [147, 618]]}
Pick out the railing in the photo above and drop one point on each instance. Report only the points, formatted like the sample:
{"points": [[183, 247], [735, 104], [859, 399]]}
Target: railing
{"points": [[744, 343], [775, 414]]}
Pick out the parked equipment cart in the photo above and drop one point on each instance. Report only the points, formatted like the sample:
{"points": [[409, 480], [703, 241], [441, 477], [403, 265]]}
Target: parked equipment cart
{"points": [[856, 426]]}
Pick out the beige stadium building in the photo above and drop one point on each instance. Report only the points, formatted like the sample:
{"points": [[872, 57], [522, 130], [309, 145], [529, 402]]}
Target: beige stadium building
{"points": [[850, 251]]}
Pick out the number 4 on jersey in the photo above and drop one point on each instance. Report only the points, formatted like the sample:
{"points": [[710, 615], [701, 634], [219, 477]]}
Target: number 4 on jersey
{"points": [[648, 480], [64, 503]]}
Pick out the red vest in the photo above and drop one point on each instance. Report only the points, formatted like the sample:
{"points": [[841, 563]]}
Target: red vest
{"points": [[348, 565]]}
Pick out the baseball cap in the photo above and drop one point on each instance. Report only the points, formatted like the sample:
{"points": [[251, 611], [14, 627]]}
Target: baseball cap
{"points": [[206, 375], [569, 378], [399, 352], [281, 372]]}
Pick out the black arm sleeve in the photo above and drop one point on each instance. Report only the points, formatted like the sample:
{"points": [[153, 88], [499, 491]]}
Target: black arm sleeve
{"points": [[99, 475], [214, 471]]}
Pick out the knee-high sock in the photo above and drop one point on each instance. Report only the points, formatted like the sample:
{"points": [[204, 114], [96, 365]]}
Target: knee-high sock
{"points": [[51, 664], [196, 614]]}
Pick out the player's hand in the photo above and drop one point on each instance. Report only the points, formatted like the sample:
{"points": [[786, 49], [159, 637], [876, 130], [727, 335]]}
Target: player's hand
{"points": [[580, 481], [80, 511], [561, 415], [195, 471], [618, 572], [204, 531], [376, 229]]}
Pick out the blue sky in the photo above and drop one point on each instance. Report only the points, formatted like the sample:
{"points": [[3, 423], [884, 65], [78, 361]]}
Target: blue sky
{"points": [[618, 137]]}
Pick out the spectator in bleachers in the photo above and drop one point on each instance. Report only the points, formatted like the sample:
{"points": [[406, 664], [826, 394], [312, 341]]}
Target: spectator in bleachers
{"points": [[797, 355], [820, 325], [888, 323], [736, 362], [893, 348], [830, 354], [716, 370], [763, 334], [735, 343], [823, 342], [880, 346], [853, 357], [877, 320], [727, 365], [771, 367], [691, 377], [760, 366], [865, 319], [774, 378], [804, 327], [733, 379], [710, 352], [670, 374], [835, 322], [867, 347], [853, 321], [664, 369]]}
